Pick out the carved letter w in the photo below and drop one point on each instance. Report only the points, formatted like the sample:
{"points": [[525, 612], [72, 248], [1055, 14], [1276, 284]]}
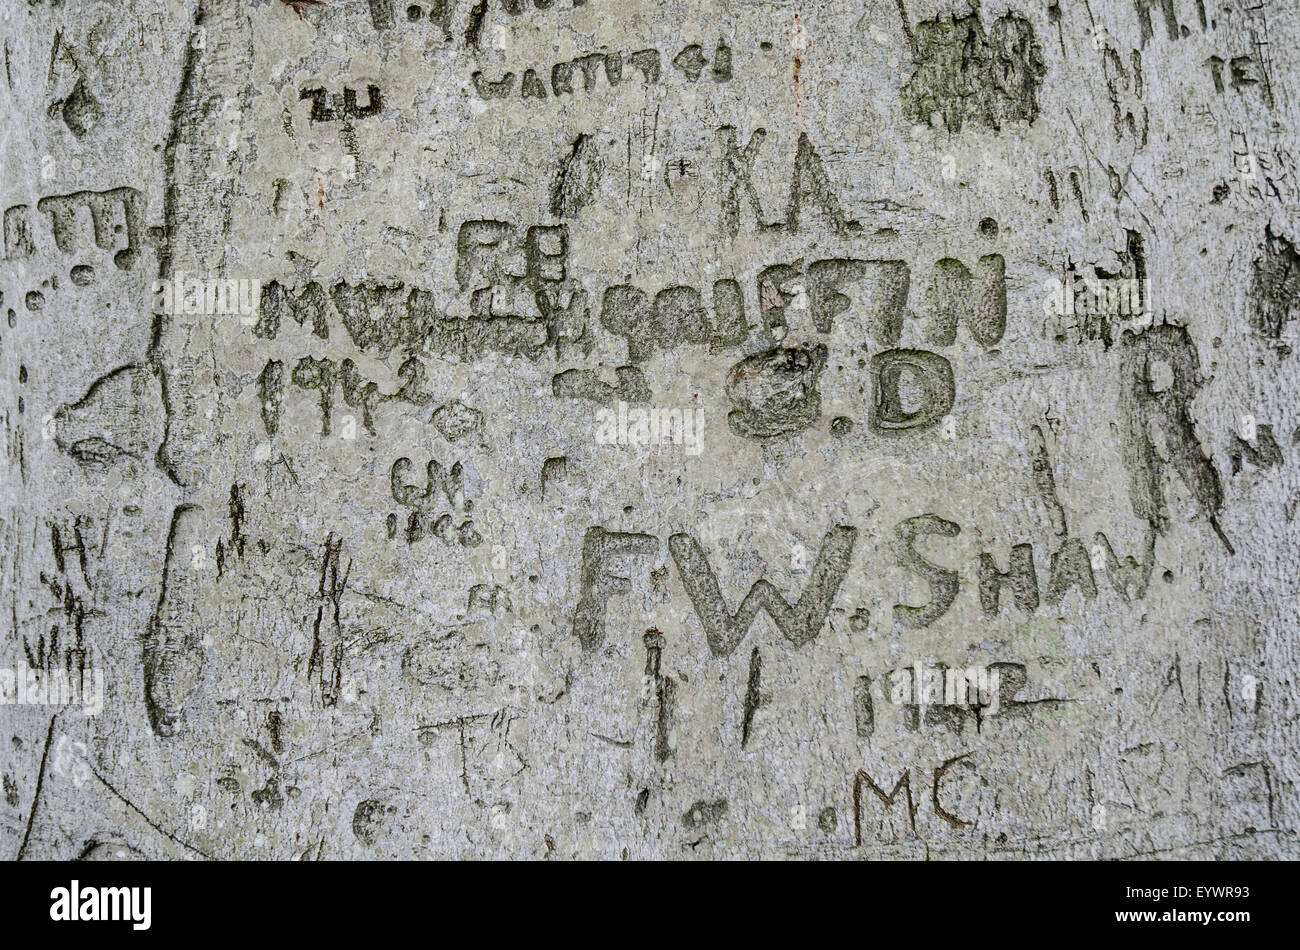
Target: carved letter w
{"points": [[800, 623]]}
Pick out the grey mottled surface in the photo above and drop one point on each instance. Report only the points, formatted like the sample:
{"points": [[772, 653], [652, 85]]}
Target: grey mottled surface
{"points": [[371, 572]]}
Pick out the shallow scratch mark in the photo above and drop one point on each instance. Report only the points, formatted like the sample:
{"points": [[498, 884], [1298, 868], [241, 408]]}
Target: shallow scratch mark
{"points": [[40, 781]]}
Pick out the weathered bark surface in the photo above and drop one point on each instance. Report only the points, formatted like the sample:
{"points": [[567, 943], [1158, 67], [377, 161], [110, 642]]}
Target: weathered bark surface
{"points": [[592, 428]]}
